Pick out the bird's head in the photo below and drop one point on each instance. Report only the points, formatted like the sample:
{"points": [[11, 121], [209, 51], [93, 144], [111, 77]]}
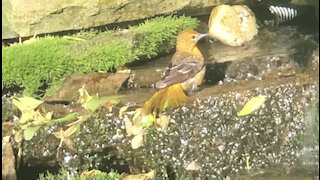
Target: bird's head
{"points": [[187, 41]]}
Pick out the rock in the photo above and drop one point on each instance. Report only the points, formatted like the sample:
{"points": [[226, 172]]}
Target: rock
{"points": [[22, 18], [232, 25], [105, 84], [8, 160]]}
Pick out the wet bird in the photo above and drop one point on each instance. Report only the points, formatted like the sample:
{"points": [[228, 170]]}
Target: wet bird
{"points": [[182, 76]]}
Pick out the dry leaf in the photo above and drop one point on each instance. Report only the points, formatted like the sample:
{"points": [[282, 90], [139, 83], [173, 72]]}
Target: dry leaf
{"points": [[137, 141], [252, 105], [128, 125], [137, 118], [69, 143], [70, 130], [193, 166], [147, 176], [89, 173], [122, 110], [135, 130], [163, 122], [18, 136]]}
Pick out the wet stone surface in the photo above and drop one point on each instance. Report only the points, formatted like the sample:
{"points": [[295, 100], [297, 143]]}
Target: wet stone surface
{"points": [[209, 133]]}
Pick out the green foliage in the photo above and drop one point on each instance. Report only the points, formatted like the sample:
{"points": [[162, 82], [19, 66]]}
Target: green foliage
{"points": [[45, 61], [162, 32], [64, 174]]}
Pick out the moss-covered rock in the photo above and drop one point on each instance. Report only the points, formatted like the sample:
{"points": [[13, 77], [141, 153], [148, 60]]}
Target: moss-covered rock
{"points": [[45, 61]]}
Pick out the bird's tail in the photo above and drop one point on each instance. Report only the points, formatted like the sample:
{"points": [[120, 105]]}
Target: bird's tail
{"points": [[172, 96]]}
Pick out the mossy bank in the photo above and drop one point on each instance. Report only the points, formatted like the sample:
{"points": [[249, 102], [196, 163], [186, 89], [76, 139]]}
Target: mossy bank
{"points": [[42, 63]]}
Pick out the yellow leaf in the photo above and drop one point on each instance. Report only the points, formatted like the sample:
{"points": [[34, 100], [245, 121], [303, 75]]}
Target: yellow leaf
{"points": [[137, 118], [252, 105], [27, 115], [193, 166], [122, 110], [136, 130], [137, 141], [90, 173], [26, 103], [48, 116], [128, 125], [146, 176], [162, 122], [71, 130]]}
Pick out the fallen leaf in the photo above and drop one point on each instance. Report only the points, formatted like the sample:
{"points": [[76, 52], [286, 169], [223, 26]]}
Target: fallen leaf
{"points": [[71, 130], [29, 132], [193, 166], [27, 115], [135, 130], [128, 126], [18, 136], [146, 176], [137, 141], [26, 103], [252, 105], [89, 173], [48, 116], [122, 110], [93, 102], [137, 118], [162, 122], [61, 134]]}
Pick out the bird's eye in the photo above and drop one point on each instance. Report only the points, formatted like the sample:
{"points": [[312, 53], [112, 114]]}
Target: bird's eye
{"points": [[194, 37]]}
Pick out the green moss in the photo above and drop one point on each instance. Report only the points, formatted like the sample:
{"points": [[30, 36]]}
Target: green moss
{"points": [[162, 33], [46, 61], [32, 65], [63, 175]]}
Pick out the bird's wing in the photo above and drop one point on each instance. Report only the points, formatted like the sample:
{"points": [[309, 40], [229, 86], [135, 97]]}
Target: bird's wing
{"points": [[178, 73]]}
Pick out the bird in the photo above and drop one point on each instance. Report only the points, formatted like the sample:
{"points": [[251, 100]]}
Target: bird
{"points": [[182, 76]]}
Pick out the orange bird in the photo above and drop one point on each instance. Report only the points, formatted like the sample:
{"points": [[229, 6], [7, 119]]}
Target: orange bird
{"points": [[184, 74]]}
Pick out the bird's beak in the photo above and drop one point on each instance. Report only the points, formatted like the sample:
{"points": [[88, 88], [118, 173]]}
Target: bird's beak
{"points": [[200, 36]]}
